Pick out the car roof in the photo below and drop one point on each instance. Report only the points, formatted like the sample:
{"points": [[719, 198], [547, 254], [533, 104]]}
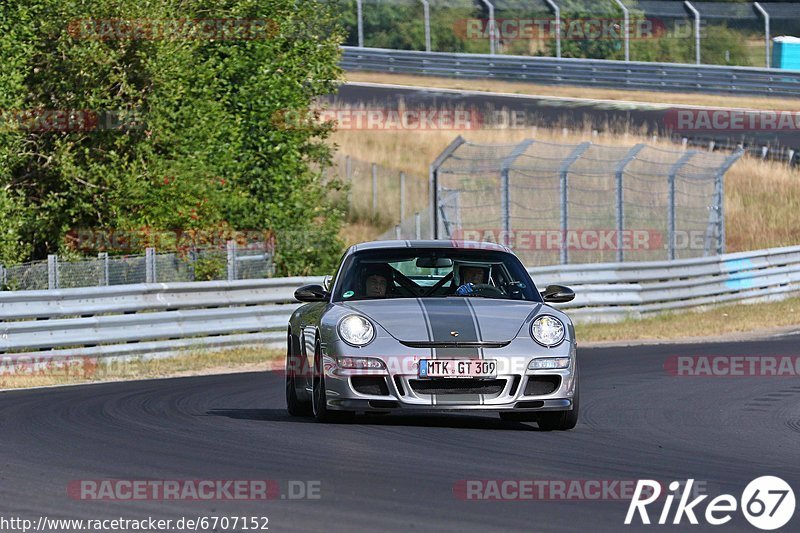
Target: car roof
{"points": [[438, 243]]}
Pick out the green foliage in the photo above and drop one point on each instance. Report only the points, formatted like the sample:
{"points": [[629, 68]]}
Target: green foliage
{"points": [[209, 268], [202, 146]]}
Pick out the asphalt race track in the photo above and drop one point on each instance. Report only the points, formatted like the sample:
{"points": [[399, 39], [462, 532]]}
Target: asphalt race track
{"points": [[398, 472]]}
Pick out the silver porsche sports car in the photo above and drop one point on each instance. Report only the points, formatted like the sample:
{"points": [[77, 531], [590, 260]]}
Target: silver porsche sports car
{"points": [[432, 326]]}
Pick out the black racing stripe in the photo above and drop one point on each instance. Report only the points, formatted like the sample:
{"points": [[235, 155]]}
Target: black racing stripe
{"points": [[447, 315]]}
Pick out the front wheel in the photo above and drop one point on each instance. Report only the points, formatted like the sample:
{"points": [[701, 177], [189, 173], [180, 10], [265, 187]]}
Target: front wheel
{"points": [[294, 405], [320, 396], [561, 420]]}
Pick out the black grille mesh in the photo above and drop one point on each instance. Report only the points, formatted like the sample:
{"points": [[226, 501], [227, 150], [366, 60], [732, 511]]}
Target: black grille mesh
{"points": [[457, 386]]}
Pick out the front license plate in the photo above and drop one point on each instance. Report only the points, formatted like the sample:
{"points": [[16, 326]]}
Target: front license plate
{"points": [[458, 368]]}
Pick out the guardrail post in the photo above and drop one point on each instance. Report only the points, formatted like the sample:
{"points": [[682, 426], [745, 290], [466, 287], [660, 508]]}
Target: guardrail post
{"points": [[231, 260], [696, 15], [426, 9], [52, 271], [626, 28], [563, 173], [557, 14], [765, 14], [360, 16], [150, 265], [402, 196], [619, 172], [417, 226], [103, 258], [505, 201], [492, 27], [374, 190], [673, 171]]}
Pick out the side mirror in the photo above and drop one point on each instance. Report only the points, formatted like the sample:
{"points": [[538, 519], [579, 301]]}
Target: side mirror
{"points": [[311, 293], [557, 294]]}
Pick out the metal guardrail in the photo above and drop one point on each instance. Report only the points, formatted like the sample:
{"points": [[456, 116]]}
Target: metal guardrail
{"points": [[161, 319], [674, 77]]}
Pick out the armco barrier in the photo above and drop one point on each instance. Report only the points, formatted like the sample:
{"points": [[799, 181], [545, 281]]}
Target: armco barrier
{"points": [[160, 319], [675, 77]]}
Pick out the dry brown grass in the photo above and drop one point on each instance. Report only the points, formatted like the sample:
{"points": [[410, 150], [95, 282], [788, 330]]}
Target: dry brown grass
{"points": [[762, 198], [82, 370], [748, 102], [719, 321]]}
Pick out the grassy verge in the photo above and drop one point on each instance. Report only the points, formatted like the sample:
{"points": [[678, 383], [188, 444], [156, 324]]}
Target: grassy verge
{"points": [[718, 321], [748, 102], [75, 370]]}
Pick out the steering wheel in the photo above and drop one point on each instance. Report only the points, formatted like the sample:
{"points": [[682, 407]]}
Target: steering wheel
{"points": [[485, 289]]}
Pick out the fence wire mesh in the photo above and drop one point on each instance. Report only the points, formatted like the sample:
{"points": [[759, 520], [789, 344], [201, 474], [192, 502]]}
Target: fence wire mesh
{"points": [[582, 203], [206, 264]]}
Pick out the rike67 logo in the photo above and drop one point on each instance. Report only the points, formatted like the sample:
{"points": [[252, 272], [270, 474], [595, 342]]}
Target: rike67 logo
{"points": [[767, 502]]}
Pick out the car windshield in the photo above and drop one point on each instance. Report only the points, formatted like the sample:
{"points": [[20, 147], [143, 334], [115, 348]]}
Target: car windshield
{"points": [[434, 273]]}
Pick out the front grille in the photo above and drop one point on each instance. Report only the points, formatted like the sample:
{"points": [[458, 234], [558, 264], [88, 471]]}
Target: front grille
{"points": [[457, 386], [540, 385], [372, 385], [451, 344]]}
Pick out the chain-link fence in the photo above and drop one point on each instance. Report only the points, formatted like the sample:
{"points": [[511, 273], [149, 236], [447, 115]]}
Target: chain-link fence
{"points": [[383, 195], [581, 203], [206, 264]]}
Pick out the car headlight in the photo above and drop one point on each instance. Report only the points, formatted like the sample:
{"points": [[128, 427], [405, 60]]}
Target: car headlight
{"points": [[548, 331], [356, 330], [549, 363]]}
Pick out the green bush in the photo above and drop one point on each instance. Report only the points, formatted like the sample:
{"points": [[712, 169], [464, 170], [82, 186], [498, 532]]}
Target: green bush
{"points": [[206, 144]]}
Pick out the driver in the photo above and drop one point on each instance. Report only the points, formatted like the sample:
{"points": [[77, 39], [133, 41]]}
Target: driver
{"points": [[471, 275], [376, 279]]}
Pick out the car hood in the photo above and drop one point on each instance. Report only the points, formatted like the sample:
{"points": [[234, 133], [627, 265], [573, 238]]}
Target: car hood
{"points": [[432, 320]]}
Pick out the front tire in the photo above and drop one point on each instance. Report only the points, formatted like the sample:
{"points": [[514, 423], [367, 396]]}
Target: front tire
{"points": [[294, 405], [561, 420], [319, 395]]}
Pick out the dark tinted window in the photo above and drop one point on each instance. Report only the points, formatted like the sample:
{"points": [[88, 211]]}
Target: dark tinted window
{"points": [[434, 273]]}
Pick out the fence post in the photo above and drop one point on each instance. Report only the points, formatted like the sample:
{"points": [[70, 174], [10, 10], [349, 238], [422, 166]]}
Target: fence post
{"points": [[402, 196], [348, 172], [398, 232], [150, 265], [433, 183], [563, 173], [231, 247], [374, 189], [505, 202], [417, 226], [3, 277], [52, 271], [620, 171], [673, 171], [103, 258]]}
